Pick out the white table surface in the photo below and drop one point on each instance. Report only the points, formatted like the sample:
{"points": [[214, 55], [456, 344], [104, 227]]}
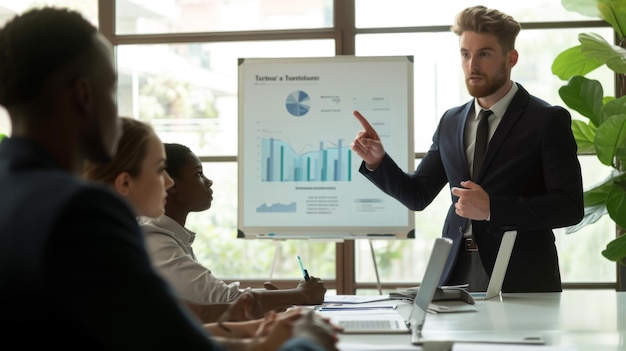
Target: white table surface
{"points": [[581, 320]]}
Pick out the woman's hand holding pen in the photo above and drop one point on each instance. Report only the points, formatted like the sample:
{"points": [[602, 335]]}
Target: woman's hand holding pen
{"points": [[309, 292], [313, 290]]}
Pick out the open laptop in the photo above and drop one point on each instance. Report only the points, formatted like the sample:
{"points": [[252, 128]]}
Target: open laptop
{"points": [[499, 269], [387, 321], [494, 287], [444, 339]]}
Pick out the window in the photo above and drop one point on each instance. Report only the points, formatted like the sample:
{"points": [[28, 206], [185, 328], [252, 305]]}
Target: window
{"points": [[190, 92], [177, 62], [193, 16], [407, 13]]}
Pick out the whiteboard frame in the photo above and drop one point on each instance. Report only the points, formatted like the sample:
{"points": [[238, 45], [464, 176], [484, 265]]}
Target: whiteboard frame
{"points": [[247, 68]]}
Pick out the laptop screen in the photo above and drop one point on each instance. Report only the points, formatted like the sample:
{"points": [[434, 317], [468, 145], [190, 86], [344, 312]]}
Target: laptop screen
{"points": [[426, 291]]}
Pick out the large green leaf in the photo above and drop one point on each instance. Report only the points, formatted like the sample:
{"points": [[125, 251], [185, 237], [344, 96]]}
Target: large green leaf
{"points": [[592, 215], [572, 62], [597, 198], [584, 135], [595, 202], [585, 96], [614, 106], [610, 137], [606, 99], [616, 202], [620, 150], [612, 11], [596, 48], [616, 250], [599, 193], [584, 7]]}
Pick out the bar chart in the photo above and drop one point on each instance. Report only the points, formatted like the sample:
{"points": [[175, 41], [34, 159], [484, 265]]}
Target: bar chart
{"points": [[329, 162]]}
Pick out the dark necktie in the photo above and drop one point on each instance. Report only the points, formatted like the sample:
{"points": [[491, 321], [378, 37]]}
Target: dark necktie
{"points": [[482, 139]]}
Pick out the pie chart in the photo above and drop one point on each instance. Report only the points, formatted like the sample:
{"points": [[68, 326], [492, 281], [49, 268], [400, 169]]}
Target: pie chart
{"points": [[298, 103]]}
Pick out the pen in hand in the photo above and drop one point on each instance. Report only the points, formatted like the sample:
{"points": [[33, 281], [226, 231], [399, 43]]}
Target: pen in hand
{"points": [[305, 273]]}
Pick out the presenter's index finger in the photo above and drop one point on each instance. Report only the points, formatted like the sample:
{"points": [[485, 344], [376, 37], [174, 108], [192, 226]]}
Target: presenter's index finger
{"points": [[366, 125]]}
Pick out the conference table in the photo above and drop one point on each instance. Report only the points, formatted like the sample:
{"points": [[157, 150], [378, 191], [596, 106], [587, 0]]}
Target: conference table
{"points": [[577, 320]]}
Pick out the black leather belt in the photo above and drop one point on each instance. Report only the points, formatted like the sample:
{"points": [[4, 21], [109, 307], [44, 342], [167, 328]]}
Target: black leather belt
{"points": [[470, 245]]}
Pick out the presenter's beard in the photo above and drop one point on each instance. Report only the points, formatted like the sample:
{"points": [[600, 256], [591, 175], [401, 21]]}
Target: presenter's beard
{"points": [[491, 84]]}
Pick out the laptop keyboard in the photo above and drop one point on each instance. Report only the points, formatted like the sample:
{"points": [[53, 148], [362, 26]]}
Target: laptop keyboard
{"points": [[368, 324]]}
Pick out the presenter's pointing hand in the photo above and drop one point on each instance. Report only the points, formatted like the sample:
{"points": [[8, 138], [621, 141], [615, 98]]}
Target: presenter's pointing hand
{"points": [[367, 143]]}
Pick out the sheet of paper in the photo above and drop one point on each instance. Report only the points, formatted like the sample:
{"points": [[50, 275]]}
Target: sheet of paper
{"points": [[355, 298], [508, 347], [452, 307], [353, 307], [355, 346]]}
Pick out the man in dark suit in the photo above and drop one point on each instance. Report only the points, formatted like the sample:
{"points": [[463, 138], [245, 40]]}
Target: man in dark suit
{"points": [[528, 179], [74, 273]]}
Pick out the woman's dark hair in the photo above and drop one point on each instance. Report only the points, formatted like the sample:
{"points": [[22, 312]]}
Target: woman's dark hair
{"points": [[177, 156]]}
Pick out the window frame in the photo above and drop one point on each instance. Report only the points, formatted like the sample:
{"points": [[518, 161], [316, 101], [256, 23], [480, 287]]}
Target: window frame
{"points": [[343, 33]]}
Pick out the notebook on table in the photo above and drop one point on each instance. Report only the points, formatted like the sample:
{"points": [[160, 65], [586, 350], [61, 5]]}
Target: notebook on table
{"points": [[446, 338], [388, 321], [499, 269]]}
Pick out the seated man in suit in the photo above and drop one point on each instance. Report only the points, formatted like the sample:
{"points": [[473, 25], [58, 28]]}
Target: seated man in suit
{"points": [[74, 273]]}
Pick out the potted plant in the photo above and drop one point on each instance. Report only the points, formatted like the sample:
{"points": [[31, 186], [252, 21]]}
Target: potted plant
{"points": [[604, 133]]}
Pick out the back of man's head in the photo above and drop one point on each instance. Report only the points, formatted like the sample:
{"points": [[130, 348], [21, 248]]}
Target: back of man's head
{"points": [[36, 44]]}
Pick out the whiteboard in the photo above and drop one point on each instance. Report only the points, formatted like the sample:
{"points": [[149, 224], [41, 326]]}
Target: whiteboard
{"points": [[297, 176]]}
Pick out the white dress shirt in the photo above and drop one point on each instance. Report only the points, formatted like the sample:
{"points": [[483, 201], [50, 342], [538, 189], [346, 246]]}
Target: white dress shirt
{"points": [[169, 246]]}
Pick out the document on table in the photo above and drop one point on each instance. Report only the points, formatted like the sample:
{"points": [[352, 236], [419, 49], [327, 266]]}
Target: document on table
{"points": [[349, 307], [357, 346], [509, 347], [355, 298]]}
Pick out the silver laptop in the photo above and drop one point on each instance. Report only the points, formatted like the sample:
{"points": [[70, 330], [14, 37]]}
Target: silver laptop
{"points": [[495, 282], [444, 339], [499, 269], [386, 321]]}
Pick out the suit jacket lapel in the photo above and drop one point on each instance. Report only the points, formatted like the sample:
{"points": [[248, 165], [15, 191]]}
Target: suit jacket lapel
{"points": [[461, 137], [512, 114]]}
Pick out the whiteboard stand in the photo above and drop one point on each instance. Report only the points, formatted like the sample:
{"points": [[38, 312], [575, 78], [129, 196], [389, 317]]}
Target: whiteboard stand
{"points": [[274, 260]]}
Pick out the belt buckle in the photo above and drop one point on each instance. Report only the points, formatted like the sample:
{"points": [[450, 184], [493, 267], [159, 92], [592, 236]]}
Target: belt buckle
{"points": [[470, 245]]}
